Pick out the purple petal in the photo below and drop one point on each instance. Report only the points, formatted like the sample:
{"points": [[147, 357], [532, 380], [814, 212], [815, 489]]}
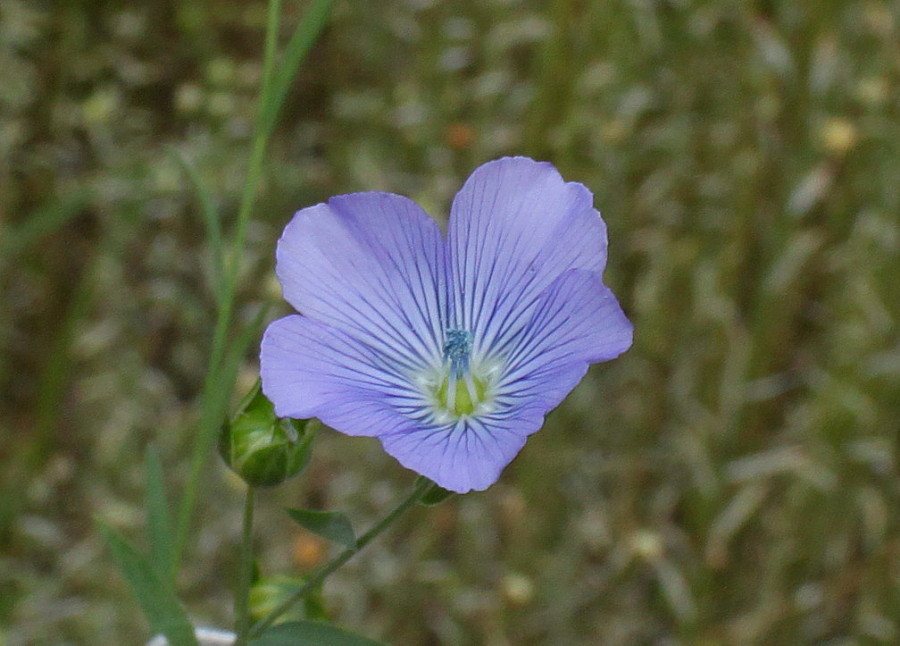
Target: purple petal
{"points": [[577, 321], [372, 265], [460, 457], [514, 228], [310, 369]]}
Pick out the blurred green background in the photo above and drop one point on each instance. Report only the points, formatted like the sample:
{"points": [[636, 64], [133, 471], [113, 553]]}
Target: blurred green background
{"points": [[732, 479]]}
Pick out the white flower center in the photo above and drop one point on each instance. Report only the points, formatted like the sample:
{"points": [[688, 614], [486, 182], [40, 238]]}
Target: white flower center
{"points": [[462, 386]]}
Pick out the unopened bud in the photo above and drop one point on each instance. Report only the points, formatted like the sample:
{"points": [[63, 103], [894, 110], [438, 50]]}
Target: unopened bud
{"points": [[261, 448]]}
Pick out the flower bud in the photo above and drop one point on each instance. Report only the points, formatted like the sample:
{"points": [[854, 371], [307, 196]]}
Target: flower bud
{"points": [[270, 592], [261, 448]]}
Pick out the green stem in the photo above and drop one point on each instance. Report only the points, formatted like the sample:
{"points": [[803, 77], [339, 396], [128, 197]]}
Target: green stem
{"points": [[260, 142], [215, 393], [209, 423], [319, 576], [242, 597]]}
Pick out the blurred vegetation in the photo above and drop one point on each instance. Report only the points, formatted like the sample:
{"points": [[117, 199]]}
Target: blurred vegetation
{"points": [[733, 479]]}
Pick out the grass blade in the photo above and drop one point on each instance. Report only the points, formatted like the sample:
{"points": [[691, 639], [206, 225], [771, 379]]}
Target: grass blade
{"points": [[42, 222], [159, 526], [213, 221], [216, 394], [157, 599], [298, 46]]}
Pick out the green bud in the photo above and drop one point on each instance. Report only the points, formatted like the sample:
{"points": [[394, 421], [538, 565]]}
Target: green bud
{"points": [[261, 448], [270, 592]]}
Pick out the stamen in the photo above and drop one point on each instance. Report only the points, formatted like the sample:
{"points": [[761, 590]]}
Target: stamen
{"points": [[474, 396], [461, 387], [457, 349], [451, 391]]}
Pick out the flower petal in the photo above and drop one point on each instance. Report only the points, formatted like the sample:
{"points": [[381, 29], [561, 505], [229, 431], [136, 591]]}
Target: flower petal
{"points": [[577, 321], [514, 228], [467, 455], [372, 265], [310, 369]]}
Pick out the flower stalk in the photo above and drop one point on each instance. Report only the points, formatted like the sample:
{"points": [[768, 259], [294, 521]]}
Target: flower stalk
{"points": [[423, 486], [245, 581]]}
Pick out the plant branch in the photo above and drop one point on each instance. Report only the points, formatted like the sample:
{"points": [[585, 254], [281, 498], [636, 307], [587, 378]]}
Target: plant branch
{"points": [[319, 576]]}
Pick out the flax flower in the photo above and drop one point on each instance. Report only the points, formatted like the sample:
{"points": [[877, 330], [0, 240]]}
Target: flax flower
{"points": [[450, 350]]}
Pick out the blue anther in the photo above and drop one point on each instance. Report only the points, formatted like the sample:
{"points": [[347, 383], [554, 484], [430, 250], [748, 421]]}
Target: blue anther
{"points": [[457, 349]]}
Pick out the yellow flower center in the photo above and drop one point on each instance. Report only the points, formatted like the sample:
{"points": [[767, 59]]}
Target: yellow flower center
{"points": [[467, 394]]}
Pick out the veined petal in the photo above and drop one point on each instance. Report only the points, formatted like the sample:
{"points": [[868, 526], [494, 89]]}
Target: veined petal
{"points": [[450, 352], [466, 455], [514, 228], [310, 369], [372, 265], [576, 321]]}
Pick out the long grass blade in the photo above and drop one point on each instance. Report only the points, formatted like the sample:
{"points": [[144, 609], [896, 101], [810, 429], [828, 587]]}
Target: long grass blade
{"points": [[42, 222], [159, 526], [213, 221], [298, 47], [157, 599]]}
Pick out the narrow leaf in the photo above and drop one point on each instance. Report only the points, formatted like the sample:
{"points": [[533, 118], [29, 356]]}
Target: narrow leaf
{"points": [[309, 633], [157, 600], [435, 495], [159, 526], [40, 223], [332, 525], [299, 45], [217, 389], [213, 223]]}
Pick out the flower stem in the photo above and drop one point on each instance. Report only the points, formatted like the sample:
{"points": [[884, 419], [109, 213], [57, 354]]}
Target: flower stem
{"points": [[317, 577], [216, 389], [242, 597]]}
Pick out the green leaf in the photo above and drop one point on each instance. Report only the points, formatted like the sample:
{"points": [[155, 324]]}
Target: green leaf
{"points": [[332, 525], [309, 633], [298, 46], [159, 526], [314, 607], [213, 224], [40, 223], [157, 599], [435, 495], [217, 388]]}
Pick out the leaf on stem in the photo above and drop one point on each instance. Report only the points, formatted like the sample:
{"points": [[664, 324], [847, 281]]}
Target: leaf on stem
{"points": [[332, 525]]}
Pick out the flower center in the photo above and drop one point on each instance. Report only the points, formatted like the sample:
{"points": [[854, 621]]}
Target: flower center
{"points": [[460, 387], [460, 397]]}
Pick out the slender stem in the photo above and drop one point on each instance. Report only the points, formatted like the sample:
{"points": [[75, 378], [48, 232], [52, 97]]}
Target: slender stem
{"points": [[215, 394], [260, 141], [209, 420], [242, 597], [273, 19], [317, 577]]}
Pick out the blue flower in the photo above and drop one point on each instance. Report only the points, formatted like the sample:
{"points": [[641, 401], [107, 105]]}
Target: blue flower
{"points": [[449, 350]]}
